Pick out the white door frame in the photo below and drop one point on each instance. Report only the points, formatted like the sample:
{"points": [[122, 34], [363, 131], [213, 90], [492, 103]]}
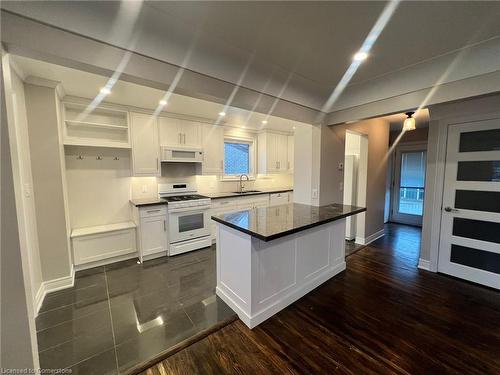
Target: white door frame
{"points": [[396, 178]]}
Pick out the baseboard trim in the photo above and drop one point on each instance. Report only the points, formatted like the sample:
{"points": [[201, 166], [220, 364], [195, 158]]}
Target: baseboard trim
{"points": [[53, 285], [424, 264], [372, 237]]}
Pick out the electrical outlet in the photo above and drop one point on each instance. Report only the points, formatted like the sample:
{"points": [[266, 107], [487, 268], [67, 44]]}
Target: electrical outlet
{"points": [[315, 193]]}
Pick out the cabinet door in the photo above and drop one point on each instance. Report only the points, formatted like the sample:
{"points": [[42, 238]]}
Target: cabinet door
{"points": [[145, 145], [213, 149], [272, 152], [190, 133], [291, 141], [170, 134], [153, 232], [282, 148]]}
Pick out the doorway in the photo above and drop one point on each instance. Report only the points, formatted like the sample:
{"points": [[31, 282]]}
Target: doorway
{"points": [[469, 246], [409, 184], [355, 182]]}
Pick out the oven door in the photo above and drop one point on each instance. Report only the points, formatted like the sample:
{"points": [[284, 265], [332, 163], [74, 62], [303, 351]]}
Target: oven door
{"points": [[188, 223]]}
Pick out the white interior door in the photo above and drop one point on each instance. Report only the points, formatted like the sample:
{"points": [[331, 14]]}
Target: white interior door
{"points": [[469, 246], [409, 183]]}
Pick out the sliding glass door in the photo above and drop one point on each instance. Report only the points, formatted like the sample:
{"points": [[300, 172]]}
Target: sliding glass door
{"points": [[408, 185]]}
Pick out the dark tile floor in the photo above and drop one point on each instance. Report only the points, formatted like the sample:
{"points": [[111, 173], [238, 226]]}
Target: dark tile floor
{"points": [[120, 315]]}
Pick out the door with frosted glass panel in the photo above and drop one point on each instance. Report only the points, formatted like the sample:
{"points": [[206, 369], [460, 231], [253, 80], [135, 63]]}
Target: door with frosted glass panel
{"points": [[408, 186], [469, 245]]}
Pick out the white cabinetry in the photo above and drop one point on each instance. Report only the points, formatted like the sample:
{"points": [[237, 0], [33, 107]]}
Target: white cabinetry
{"points": [[276, 199], [151, 231], [145, 145], [273, 153], [291, 140], [99, 127], [179, 133], [213, 149]]}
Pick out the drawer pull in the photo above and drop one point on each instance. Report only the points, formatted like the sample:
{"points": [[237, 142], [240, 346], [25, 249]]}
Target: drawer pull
{"points": [[151, 211]]}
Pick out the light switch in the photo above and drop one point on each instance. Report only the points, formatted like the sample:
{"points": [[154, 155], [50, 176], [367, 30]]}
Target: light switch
{"points": [[315, 193]]}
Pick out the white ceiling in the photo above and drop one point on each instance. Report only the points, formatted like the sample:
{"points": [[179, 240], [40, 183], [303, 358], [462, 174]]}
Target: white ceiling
{"points": [[294, 50], [87, 85]]}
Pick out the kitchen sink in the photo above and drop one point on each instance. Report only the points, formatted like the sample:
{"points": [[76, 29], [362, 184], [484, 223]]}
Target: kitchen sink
{"points": [[247, 191]]}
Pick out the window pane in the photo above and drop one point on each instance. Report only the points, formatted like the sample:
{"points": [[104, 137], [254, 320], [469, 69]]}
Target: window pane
{"points": [[479, 171], [483, 260], [476, 229], [413, 169], [412, 182], [483, 140], [478, 200], [236, 158]]}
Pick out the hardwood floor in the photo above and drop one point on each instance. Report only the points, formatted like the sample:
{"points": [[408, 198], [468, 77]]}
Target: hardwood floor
{"points": [[381, 316]]}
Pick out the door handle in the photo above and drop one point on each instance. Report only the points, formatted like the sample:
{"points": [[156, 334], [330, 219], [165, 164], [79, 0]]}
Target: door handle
{"points": [[184, 138], [164, 225], [449, 209]]}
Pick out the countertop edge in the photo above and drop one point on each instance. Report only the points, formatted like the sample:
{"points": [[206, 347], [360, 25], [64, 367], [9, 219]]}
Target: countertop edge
{"points": [[138, 204], [290, 231]]}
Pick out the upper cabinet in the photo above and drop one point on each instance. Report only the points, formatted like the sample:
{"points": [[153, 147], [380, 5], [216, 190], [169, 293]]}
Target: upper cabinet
{"points": [[291, 140], [179, 133], [145, 145], [213, 149], [98, 127], [273, 153]]}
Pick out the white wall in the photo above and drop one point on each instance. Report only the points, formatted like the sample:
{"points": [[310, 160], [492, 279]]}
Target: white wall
{"points": [[47, 170], [17, 325], [333, 151]]}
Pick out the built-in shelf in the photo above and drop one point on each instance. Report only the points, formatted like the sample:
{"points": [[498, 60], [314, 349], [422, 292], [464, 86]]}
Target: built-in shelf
{"points": [[87, 231], [95, 126]]}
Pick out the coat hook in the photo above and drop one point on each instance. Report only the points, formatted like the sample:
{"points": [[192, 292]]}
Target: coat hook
{"points": [[116, 158], [79, 157], [99, 157]]}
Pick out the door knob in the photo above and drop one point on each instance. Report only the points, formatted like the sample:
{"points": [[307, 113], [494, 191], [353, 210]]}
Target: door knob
{"points": [[449, 209]]}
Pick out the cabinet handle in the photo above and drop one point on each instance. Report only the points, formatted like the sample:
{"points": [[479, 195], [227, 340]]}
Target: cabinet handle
{"points": [[288, 165], [164, 225], [151, 211], [157, 165], [184, 136]]}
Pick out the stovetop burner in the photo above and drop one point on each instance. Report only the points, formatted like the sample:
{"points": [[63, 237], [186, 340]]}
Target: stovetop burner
{"points": [[187, 197]]}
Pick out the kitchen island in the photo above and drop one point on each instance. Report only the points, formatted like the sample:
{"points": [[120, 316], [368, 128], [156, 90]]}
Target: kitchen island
{"points": [[269, 257]]}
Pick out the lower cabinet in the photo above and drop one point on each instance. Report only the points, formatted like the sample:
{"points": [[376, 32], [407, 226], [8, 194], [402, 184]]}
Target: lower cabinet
{"points": [[152, 231]]}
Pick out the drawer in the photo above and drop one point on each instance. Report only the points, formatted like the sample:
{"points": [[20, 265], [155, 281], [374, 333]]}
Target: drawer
{"points": [[221, 203], [253, 200], [157, 210]]}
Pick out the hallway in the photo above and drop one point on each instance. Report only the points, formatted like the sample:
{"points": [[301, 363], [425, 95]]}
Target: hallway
{"points": [[382, 315]]}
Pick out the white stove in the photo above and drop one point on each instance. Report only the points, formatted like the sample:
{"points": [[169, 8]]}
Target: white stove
{"points": [[188, 217]]}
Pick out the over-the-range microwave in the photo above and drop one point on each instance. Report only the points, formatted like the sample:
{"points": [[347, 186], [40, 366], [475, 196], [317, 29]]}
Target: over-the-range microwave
{"points": [[182, 155]]}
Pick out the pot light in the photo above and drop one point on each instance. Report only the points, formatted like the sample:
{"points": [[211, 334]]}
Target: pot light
{"points": [[105, 91], [222, 114], [264, 122], [360, 56], [409, 123], [163, 102]]}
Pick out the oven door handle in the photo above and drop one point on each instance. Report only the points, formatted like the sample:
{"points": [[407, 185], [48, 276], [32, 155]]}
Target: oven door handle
{"points": [[185, 209]]}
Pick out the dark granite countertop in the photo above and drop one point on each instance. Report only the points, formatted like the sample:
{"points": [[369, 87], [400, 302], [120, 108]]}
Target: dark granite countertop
{"points": [[269, 223], [234, 195], [147, 201]]}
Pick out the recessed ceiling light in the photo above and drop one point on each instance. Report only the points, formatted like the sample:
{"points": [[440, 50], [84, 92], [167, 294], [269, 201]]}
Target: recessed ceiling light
{"points": [[222, 114], [105, 91], [163, 102], [264, 122], [294, 127], [360, 56]]}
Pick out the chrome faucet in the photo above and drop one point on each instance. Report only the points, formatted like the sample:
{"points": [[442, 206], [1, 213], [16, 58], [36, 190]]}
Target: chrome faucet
{"points": [[241, 182]]}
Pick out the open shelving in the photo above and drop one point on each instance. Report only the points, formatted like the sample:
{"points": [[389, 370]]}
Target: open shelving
{"points": [[98, 126]]}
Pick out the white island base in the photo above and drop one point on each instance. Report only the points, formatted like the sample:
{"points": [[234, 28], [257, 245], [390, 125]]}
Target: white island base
{"points": [[257, 279]]}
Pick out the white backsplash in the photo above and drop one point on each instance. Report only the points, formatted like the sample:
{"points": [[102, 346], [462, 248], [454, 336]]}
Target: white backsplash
{"points": [[146, 187]]}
